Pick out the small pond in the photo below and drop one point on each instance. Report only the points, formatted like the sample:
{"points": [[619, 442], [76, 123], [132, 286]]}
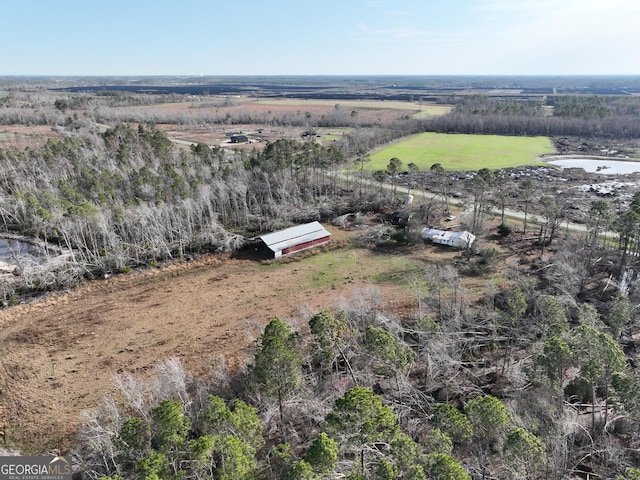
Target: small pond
{"points": [[605, 167]]}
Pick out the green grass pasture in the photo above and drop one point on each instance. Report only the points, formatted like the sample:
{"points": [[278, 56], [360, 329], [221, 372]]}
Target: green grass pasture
{"points": [[329, 135], [336, 268], [463, 152]]}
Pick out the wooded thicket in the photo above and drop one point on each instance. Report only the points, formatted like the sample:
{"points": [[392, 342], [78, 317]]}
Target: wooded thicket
{"points": [[452, 391]]}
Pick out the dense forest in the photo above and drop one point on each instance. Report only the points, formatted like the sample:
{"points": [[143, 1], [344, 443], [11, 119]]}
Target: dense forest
{"points": [[538, 380], [129, 197]]}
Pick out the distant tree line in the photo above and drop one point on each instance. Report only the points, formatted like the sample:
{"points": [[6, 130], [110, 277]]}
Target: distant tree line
{"points": [[574, 116], [582, 116]]}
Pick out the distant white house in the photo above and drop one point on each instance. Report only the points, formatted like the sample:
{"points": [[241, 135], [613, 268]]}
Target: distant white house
{"points": [[462, 239]]}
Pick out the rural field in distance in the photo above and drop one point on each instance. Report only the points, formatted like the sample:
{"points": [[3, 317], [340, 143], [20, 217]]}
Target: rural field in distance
{"points": [[463, 152], [148, 298]]}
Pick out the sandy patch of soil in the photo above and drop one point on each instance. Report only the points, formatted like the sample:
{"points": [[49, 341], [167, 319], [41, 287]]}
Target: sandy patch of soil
{"points": [[59, 354]]}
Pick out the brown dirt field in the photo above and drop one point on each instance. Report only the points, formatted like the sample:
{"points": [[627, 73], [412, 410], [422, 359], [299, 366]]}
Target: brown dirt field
{"points": [[367, 112], [58, 355], [21, 136]]}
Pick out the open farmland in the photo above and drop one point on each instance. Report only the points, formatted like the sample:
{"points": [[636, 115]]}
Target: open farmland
{"points": [[463, 152], [431, 110], [208, 119], [355, 104], [233, 110], [418, 109], [60, 354]]}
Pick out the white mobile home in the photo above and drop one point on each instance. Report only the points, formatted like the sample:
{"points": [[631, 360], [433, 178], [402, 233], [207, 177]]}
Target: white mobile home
{"points": [[452, 239]]}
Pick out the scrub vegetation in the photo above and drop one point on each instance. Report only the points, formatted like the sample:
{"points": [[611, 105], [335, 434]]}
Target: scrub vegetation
{"points": [[169, 351]]}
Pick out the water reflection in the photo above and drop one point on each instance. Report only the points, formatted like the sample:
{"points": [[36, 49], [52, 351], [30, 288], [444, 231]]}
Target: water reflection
{"points": [[605, 167]]}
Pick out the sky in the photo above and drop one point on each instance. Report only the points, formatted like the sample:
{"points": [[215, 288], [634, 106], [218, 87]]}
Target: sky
{"points": [[323, 37]]}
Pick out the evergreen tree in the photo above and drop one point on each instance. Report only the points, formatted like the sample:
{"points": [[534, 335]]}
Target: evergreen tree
{"points": [[359, 420], [277, 367]]}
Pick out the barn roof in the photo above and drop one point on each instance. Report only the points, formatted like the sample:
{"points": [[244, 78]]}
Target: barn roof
{"points": [[278, 241]]}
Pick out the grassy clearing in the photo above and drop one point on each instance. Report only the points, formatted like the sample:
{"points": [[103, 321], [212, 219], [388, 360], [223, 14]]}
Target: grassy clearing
{"points": [[348, 265], [399, 270], [463, 152], [432, 110], [330, 138], [334, 268], [332, 134], [338, 267]]}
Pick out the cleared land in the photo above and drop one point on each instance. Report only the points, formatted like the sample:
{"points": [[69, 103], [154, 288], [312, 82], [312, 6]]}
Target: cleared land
{"points": [[295, 107], [373, 104], [430, 110], [427, 109], [269, 119], [463, 152], [22, 136], [60, 354]]}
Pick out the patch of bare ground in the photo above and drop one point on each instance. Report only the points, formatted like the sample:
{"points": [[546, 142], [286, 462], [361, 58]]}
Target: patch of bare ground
{"points": [[59, 354], [23, 136], [277, 119], [246, 106]]}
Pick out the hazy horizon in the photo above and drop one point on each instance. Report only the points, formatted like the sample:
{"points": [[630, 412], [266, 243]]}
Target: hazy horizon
{"points": [[121, 38]]}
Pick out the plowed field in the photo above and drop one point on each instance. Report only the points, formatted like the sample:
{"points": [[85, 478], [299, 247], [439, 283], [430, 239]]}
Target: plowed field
{"points": [[58, 355]]}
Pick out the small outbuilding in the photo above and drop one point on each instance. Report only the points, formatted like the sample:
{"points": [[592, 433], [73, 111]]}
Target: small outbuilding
{"points": [[462, 239], [295, 239], [239, 139]]}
